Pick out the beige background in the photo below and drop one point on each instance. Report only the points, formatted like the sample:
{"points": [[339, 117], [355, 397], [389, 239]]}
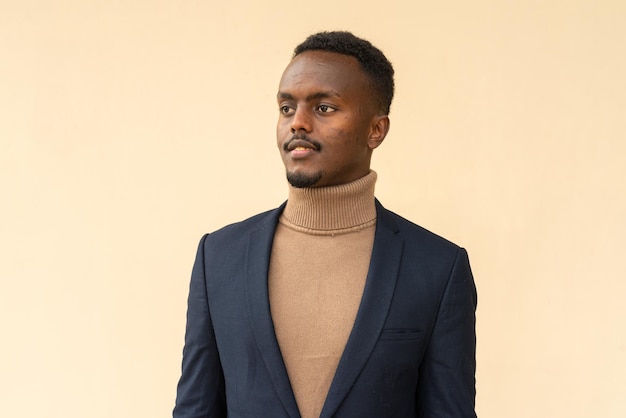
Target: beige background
{"points": [[130, 128]]}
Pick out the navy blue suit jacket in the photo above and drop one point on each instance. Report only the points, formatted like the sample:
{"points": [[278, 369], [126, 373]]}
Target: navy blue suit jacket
{"points": [[411, 352]]}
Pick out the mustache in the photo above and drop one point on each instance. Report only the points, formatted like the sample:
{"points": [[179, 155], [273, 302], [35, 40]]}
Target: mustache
{"points": [[302, 137]]}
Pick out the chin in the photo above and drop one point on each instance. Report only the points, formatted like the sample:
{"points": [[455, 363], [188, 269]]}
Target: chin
{"points": [[302, 180]]}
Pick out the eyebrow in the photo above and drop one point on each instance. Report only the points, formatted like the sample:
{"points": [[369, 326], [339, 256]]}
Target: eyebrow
{"points": [[318, 95]]}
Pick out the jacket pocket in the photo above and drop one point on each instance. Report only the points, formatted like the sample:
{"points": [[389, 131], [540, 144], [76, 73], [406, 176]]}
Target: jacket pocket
{"points": [[400, 334]]}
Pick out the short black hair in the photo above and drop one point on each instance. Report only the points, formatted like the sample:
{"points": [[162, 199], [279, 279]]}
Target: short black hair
{"points": [[373, 62]]}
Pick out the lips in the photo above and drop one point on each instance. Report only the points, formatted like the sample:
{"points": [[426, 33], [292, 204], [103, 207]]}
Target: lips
{"points": [[301, 145]]}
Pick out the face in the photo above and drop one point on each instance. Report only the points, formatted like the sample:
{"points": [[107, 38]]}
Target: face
{"points": [[328, 124]]}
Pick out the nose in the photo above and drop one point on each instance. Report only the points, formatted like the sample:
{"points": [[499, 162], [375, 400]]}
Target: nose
{"points": [[301, 121]]}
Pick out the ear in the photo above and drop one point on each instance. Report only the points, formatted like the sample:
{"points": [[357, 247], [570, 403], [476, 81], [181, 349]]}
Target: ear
{"points": [[378, 131]]}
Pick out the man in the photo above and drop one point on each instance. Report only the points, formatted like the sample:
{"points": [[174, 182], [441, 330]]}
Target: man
{"points": [[330, 305]]}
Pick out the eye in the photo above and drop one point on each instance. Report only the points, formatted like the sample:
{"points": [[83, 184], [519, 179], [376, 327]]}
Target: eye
{"points": [[285, 110], [325, 108]]}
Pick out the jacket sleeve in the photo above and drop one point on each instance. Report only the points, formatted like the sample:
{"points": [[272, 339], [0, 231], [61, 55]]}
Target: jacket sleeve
{"points": [[447, 385], [200, 391]]}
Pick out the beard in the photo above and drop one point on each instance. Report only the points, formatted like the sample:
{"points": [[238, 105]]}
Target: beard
{"points": [[301, 180]]}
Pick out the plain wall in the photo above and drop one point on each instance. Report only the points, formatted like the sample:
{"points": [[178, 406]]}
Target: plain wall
{"points": [[130, 128]]}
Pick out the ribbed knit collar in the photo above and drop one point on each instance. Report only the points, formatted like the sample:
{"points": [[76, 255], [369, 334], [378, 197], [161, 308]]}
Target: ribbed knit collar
{"points": [[334, 208]]}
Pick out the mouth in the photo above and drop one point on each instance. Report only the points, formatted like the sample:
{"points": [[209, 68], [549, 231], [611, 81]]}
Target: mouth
{"points": [[301, 145]]}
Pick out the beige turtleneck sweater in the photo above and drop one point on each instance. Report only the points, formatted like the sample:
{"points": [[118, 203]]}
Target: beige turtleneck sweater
{"points": [[319, 263]]}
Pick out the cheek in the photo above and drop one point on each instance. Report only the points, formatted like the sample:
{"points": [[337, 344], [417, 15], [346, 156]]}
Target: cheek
{"points": [[354, 129], [280, 126], [339, 134], [341, 137], [282, 130], [349, 136]]}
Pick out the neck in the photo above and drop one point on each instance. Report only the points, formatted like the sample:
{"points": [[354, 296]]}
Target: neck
{"points": [[333, 208]]}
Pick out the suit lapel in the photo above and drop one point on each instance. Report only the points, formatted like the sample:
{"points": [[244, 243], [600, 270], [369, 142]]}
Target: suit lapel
{"points": [[377, 295], [257, 268]]}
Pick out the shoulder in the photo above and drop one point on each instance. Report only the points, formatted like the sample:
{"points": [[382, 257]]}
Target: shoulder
{"points": [[240, 230], [250, 223], [415, 235]]}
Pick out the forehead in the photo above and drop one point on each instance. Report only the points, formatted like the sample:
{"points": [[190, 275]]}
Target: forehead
{"points": [[323, 70]]}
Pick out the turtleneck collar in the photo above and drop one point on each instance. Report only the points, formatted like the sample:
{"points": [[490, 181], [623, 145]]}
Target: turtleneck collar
{"points": [[334, 208]]}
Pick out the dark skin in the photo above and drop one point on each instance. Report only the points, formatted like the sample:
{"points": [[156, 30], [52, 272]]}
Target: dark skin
{"points": [[329, 125]]}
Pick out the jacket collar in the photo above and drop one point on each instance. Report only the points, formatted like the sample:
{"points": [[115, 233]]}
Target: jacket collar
{"points": [[377, 296], [372, 313]]}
